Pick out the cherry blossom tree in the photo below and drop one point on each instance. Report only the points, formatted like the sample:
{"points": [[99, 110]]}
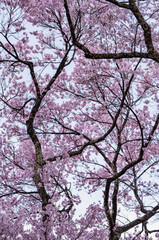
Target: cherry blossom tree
{"points": [[79, 108]]}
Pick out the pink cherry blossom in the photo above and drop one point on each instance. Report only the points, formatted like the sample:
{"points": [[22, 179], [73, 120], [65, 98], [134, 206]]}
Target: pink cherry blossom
{"points": [[79, 122]]}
